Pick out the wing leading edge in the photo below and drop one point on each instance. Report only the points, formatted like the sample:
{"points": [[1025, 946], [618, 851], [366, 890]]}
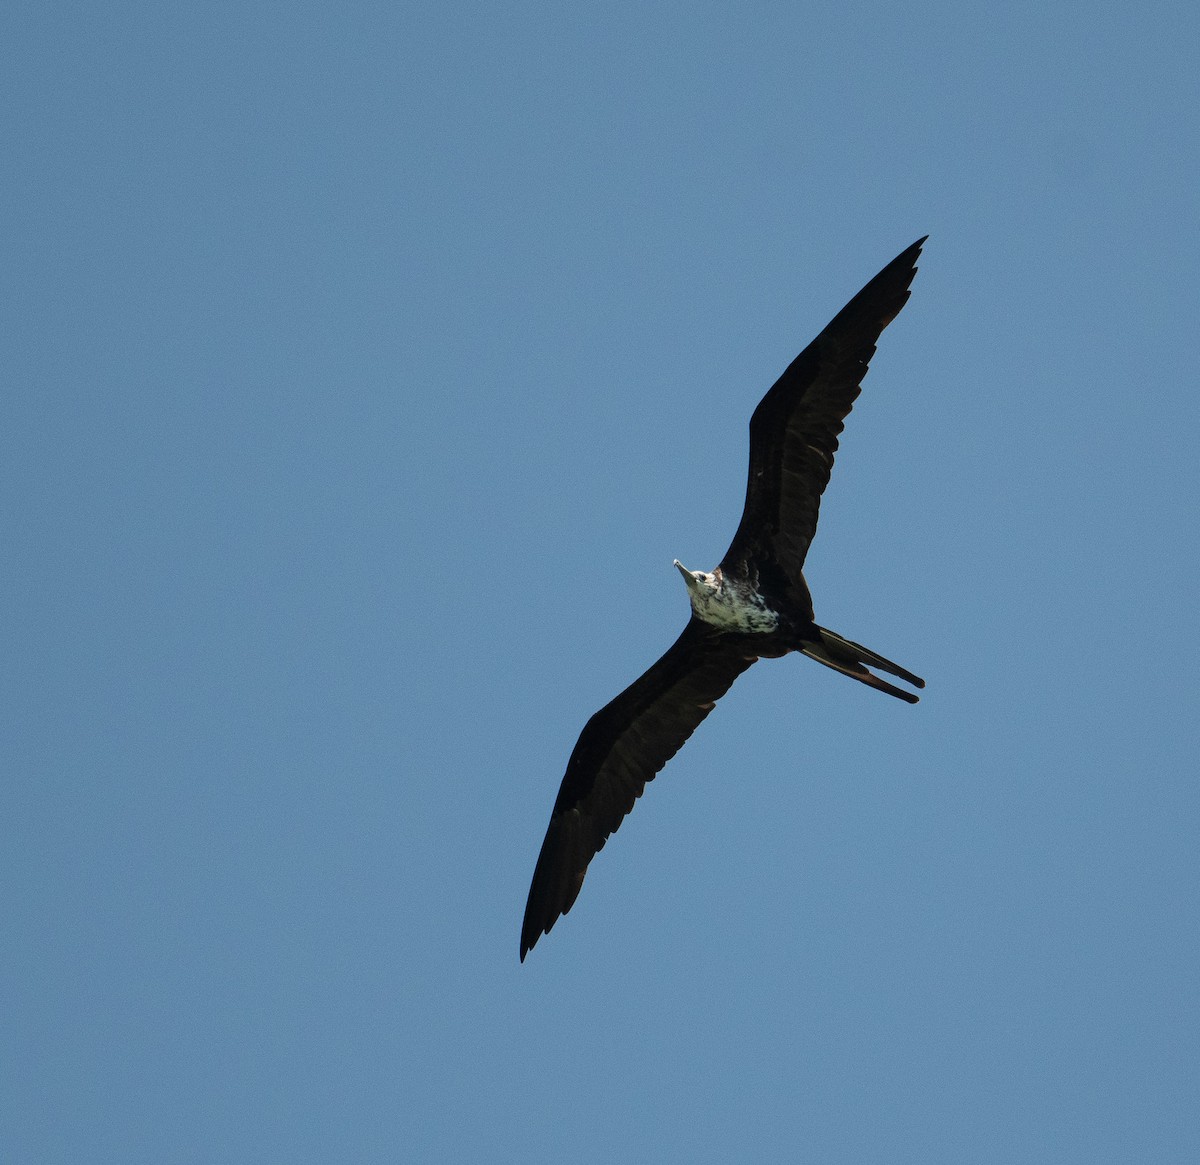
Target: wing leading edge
{"points": [[621, 748], [794, 430]]}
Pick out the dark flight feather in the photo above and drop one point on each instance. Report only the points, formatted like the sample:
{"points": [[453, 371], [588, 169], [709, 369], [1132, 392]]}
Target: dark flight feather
{"points": [[794, 431], [622, 747]]}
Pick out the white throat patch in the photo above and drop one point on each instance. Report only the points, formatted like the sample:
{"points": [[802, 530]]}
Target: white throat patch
{"points": [[731, 608]]}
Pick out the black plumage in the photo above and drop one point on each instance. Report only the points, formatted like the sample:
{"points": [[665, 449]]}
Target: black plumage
{"points": [[755, 604]]}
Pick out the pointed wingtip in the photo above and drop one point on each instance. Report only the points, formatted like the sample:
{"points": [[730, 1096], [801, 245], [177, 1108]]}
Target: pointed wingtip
{"points": [[910, 255]]}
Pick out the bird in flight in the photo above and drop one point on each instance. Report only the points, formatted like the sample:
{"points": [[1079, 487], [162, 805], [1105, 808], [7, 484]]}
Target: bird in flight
{"points": [[754, 605]]}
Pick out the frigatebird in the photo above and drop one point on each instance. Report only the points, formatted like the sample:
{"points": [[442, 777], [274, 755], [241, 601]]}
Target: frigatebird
{"points": [[754, 605]]}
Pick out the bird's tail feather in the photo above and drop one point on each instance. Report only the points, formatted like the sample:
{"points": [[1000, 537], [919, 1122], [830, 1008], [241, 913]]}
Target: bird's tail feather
{"points": [[851, 658]]}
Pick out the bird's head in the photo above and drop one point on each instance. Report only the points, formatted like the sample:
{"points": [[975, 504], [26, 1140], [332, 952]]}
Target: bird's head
{"points": [[702, 586]]}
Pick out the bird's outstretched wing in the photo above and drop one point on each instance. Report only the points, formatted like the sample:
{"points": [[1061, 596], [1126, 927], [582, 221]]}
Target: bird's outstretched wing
{"points": [[623, 746], [794, 431]]}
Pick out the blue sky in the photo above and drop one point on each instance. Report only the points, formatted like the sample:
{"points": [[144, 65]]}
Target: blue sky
{"points": [[365, 369]]}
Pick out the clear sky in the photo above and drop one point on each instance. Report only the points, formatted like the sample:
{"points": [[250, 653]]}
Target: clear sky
{"points": [[365, 367]]}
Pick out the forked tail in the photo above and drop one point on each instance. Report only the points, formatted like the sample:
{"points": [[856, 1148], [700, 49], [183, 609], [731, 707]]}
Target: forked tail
{"points": [[851, 659]]}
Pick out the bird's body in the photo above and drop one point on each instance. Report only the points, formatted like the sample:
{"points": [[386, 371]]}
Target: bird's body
{"points": [[730, 604], [754, 605]]}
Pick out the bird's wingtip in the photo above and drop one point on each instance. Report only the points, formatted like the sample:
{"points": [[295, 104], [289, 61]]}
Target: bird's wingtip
{"points": [[528, 941]]}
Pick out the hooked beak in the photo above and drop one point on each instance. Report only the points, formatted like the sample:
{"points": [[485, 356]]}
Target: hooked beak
{"points": [[687, 574]]}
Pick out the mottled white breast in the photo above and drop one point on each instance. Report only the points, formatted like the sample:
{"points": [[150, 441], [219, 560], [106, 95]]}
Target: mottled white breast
{"points": [[732, 608]]}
